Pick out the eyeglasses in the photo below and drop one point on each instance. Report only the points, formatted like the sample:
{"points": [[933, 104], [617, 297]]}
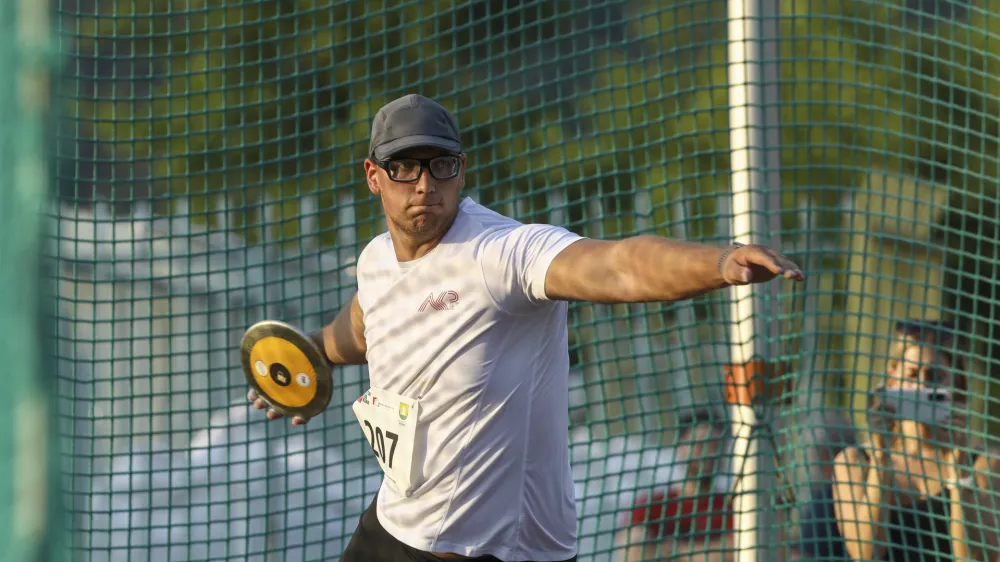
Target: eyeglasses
{"points": [[408, 170]]}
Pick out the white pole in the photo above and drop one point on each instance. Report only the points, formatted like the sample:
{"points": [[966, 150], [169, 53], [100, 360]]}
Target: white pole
{"points": [[753, 77]]}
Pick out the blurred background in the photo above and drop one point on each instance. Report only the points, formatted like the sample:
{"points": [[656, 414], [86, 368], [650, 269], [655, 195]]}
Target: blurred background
{"points": [[176, 170]]}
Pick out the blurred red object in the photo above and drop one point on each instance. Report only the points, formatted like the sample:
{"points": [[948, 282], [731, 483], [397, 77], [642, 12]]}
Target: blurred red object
{"points": [[673, 516]]}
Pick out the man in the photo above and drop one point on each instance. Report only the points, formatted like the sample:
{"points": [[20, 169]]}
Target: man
{"points": [[460, 315]]}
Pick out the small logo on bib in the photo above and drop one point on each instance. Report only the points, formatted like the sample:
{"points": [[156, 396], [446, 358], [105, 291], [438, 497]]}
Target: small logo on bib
{"points": [[404, 411]]}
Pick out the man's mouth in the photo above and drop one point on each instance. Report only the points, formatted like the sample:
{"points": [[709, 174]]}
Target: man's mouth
{"points": [[423, 207]]}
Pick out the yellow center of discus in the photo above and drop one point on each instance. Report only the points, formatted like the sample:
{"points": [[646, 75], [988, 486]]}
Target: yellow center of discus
{"points": [[283, 372]]}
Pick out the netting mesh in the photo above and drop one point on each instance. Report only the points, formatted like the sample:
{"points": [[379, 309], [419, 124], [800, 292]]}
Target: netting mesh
{"points": [[209, 176]]}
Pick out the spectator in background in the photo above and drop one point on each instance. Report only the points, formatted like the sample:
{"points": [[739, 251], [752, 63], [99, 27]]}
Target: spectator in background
{"points": [[691, 516], [902, 497], [826, 435]]}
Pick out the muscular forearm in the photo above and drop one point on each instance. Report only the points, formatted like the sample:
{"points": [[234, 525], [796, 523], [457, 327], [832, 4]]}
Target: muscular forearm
{"points": [[342, 340], [656, 269], [862, 512]]}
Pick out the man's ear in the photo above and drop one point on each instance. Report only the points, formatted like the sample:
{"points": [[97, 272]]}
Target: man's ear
{"points": [[371, 174]]}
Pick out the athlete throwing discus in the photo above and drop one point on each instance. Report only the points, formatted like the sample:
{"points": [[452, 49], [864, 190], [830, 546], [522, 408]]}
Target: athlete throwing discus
{"points": [[460, 315]]}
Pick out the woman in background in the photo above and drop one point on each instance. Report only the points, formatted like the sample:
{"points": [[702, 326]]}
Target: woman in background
{"points": [[908, 495]]}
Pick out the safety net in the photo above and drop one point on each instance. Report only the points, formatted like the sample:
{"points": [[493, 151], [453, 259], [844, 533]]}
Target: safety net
{"points": [[208, 174]]}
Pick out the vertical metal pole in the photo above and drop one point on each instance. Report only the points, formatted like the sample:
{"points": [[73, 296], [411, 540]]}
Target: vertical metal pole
{"points": [[28, 481], [753, 81]]}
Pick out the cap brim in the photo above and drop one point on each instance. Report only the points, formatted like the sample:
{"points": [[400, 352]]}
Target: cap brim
{"points": [[416, 141]]}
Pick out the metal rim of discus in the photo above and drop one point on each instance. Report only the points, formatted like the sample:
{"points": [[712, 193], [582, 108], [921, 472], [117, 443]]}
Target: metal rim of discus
{"points": [[302, 343]]}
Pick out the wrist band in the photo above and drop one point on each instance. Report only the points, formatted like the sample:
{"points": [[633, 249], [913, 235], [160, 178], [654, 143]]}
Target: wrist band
{"points": [[729, 250]]}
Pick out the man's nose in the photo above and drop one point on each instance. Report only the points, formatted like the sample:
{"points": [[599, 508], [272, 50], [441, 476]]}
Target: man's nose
{"points": [[425, 184]]}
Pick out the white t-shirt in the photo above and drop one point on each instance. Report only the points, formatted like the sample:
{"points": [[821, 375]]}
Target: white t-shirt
{"points": [[467, 331]]}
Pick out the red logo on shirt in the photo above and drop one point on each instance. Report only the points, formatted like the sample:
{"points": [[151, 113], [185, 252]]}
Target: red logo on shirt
{"points": [[444, 301]]}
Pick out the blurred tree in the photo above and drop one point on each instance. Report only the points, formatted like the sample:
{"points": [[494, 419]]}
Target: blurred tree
{"points": [[562, 102]]}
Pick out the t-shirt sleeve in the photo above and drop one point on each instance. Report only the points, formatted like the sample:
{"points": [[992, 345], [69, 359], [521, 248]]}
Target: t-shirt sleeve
{"points": [[515, 262]]}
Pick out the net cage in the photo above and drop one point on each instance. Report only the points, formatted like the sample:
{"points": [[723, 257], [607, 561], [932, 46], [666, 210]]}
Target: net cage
{"points": [[206, 174]]}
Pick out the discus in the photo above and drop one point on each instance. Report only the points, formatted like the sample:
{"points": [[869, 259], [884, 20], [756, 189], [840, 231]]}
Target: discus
{"points": [[286, 369]]}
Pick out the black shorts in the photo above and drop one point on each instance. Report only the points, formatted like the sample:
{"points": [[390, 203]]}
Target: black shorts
{"points": [[372, 543]]}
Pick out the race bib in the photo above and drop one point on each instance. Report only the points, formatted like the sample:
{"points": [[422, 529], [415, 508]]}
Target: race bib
{"points": [[389, 422]]}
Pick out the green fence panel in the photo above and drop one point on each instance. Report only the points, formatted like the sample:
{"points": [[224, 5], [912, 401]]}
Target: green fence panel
{"points": [[209, 176]]}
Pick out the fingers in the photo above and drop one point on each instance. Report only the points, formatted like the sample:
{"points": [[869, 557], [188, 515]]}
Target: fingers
{"points": [[260, 404], [887, 414], [784, 267], [889, 408], [881, 418], [774, 262]]}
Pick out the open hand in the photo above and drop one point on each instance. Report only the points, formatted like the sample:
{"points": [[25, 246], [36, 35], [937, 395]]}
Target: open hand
{"points": [[754, 263], [260, 404]]}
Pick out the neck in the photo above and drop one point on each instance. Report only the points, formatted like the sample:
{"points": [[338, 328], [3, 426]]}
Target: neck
{"points": [[409, 248]]}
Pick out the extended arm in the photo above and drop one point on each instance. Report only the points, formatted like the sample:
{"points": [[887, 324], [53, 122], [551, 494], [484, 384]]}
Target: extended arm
{"points": [[656, 269]]}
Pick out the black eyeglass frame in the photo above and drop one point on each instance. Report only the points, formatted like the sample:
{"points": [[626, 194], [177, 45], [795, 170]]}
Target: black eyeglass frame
{"points": [[425, 163]]}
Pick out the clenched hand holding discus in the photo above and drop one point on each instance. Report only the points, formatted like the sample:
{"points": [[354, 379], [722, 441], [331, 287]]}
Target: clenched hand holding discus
{"points": [[460, 314]]}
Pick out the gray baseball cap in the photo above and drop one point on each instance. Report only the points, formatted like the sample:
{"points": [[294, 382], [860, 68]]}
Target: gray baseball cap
{"points": [[413, 121]]}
